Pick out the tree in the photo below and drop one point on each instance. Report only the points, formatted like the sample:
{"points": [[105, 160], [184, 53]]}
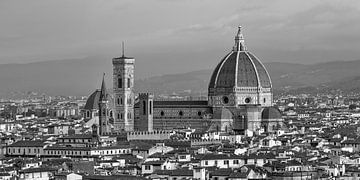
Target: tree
{"points": [[352, 106]]}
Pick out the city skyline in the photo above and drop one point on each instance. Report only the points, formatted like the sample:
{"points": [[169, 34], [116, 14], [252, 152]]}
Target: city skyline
{"points": [[179, 89]]}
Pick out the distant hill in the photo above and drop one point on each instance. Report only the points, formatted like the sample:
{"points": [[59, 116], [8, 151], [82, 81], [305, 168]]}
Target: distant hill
{"points": [[82, 76], [60, 77]]}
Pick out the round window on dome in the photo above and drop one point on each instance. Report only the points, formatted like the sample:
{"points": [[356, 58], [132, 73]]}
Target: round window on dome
{"points": [[225, 100], [247, 100]]}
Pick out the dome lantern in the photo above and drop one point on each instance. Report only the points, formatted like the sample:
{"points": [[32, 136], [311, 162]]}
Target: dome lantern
{"points": [[239, 41]]}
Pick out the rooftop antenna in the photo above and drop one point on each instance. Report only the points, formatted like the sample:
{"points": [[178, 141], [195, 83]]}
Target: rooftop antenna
{"points": [[123, 51]]}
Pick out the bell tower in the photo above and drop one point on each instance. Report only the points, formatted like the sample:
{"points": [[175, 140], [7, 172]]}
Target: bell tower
{"points": [[123, 85], [104, 113]]}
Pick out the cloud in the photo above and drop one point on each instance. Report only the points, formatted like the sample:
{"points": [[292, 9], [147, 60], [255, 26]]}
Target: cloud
{"points": [[57, 28]]}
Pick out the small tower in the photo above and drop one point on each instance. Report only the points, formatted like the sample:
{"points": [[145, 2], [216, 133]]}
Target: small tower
{"points": [[104, 114], [145, 114], [239, 41], [123, 85]]}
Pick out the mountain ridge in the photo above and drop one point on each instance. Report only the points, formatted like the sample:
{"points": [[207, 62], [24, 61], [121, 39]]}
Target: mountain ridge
{"points": [[83, 76]]}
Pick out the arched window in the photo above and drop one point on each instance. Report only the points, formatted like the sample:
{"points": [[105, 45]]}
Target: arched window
{"points": [[225, 100], [150, 107], [87, 113], [121, 101], [144, 107], [118, 116], [121, 115], [128, 83], [120, 82], [118, 100]]}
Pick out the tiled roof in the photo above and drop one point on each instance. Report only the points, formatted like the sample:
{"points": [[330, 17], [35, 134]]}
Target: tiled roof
{"points": [[56, 162], [176, 172], [154, 163], [335, 140], [293, 163], [182, 172], [260, 156], [41, 169], [162, 172], [351, 141], [239, 175], [181, 103], [78, 136], [57, 147], [28, 144], [158, 155], [113, 177], [112, 147], [222, 172], [220, 156], [160, 104]]}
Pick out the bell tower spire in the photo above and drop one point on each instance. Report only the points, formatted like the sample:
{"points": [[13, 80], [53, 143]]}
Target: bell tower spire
{"points": [[103, 92], [239, 41], [104, 112]]}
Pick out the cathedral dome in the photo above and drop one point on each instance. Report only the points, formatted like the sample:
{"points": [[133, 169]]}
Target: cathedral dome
{"points": [[240, 68], [271, 113], [93, 101], [224, 113]]}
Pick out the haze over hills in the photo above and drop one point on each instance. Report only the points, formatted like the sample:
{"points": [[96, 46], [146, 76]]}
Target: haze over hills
{"points": [[82, 76]]}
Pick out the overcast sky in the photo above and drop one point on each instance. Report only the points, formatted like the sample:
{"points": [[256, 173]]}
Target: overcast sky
{"points": [[180, 35]]}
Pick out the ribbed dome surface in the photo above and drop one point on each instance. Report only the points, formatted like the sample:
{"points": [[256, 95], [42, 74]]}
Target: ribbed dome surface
{"points": [[93, 101], [240, 69], [224, 113], [271, 113]]}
